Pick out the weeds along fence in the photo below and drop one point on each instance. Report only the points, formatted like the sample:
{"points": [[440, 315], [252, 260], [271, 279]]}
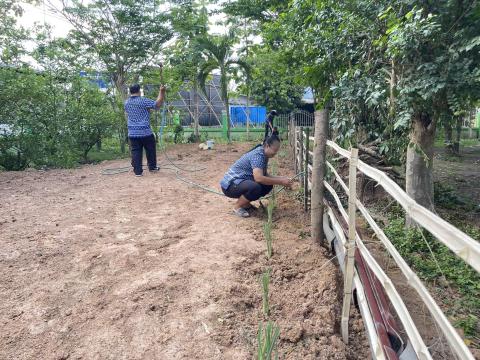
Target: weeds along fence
{"points": [[333, 225]]}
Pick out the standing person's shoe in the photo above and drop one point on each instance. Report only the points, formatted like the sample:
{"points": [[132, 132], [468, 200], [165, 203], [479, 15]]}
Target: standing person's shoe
{"points": [[138, 175], [155, 169]]}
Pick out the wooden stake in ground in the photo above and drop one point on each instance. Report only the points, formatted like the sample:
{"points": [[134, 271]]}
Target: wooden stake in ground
{"points": [[318, 174], [350, 258]]}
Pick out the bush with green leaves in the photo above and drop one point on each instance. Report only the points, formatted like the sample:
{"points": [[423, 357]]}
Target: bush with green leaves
{"points": [[49, 119]]}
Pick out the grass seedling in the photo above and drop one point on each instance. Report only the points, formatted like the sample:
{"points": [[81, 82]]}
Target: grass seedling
{"points": [[267, 232], [265, 283], [267, 341], [270, 208]]}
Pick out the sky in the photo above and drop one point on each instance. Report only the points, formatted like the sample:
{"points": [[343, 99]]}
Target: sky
{"points": [[41, 14], [60, 27]]}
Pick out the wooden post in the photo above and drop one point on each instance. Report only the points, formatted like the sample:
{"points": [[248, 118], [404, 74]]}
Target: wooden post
{"points": [[350, 258], [305, 169], [318, 174], [300, 154]]}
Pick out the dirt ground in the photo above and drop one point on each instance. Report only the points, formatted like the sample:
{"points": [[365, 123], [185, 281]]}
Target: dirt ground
{"points": [[462, 173], [118, 267]]}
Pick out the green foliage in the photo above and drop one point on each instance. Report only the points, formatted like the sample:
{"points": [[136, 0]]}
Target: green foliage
{"points": [[218, 51], [433, 261], [445, 197], [49, 120], [273, 83], [267, 338], [265, 283]]}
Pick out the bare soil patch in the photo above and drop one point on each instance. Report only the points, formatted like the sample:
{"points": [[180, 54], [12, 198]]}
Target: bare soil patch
{"points": [[118, 267]]}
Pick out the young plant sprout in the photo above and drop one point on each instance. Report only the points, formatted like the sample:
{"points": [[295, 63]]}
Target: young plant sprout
{"points": [[267, 341], [265, 283], [267, 232]]}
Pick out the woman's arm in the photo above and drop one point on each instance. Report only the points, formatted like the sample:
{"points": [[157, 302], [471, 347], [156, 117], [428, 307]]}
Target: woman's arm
{"points": [[270, 180]]}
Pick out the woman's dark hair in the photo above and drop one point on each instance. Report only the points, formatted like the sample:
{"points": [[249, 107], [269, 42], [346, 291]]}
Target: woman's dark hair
{"points": [[135, 88], [272, 139]]}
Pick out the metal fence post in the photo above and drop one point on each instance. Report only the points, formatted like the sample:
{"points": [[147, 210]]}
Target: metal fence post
{"points": [[350, 258], [305, 169], [295, 148], [300, 154]]}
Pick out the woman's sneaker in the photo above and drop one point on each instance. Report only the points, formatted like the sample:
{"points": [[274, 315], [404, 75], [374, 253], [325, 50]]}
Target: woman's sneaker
{"points": [[241, 212], [155, 169]]}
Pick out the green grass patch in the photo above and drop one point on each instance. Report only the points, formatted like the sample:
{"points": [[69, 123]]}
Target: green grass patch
{"points": [[439, 267]]}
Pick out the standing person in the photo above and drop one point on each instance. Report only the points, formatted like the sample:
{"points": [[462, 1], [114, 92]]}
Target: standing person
{"points": [[139, 132], [269, 128], [247, 180]]}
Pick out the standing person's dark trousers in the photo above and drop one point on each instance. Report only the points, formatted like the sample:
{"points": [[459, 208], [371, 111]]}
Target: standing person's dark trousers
{"points": [[137, 145]]}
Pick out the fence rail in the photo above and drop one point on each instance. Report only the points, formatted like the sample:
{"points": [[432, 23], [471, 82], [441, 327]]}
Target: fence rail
{"points": [[358, 263]]}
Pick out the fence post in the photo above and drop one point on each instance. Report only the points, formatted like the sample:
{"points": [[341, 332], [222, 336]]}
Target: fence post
{"points": [[300, 154], [305, 169], [295, 148], [318, 174], [350, 258]]}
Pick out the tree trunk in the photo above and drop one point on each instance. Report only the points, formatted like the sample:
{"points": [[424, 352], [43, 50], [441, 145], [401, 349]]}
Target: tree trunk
{"points": [[121, 95], [196, 115], [419, 172], [225, 99], [456, 144], [448, 138]]}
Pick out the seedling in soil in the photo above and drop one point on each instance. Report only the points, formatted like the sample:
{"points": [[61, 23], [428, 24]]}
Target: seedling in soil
{"points": [[267, 232], [270, 207], [265, 283], [267, 341]]}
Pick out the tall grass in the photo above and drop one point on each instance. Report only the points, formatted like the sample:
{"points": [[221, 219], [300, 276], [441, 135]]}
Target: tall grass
{"points": [[267, 341]]}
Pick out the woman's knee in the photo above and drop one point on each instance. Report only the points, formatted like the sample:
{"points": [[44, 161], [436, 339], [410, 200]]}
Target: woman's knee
{"points": [[254, 192], [266, 189]]}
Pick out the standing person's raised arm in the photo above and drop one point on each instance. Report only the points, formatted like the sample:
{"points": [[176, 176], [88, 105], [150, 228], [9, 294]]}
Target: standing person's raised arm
{"points": [[161, 96]]}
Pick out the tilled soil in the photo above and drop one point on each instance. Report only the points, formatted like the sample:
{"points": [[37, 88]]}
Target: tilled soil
{"points": [[119, 267]]}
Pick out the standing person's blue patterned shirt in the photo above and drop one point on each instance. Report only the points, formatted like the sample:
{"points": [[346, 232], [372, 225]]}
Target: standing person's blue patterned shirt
{"points": [[138, 115], [242, 169]]}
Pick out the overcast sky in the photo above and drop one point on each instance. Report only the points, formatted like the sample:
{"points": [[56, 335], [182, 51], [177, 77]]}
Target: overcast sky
{"points": [[60, 27]]}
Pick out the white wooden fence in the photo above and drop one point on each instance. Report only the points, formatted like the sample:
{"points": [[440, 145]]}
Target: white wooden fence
{"points": [[461, 244]]}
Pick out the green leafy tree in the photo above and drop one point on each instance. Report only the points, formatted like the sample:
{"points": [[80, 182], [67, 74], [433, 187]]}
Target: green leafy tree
{"points": [[189, 21], [121, 37], [90, 116], [390, 71], [218, 50]]}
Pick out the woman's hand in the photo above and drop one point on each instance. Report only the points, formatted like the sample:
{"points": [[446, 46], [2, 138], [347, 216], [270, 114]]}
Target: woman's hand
{"points": [[286, 182]]}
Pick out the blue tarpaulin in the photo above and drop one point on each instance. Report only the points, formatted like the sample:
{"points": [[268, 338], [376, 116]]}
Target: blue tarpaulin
{"points": [[238, 115]]}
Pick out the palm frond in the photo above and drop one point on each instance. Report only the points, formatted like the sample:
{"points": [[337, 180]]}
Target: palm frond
{"points": [[245, 66], [205, 69]]}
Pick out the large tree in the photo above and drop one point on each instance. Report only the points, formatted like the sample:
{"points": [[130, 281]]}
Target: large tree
{"points": [[122, 37], [190, 22], [218, 52], [391, 71]]}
